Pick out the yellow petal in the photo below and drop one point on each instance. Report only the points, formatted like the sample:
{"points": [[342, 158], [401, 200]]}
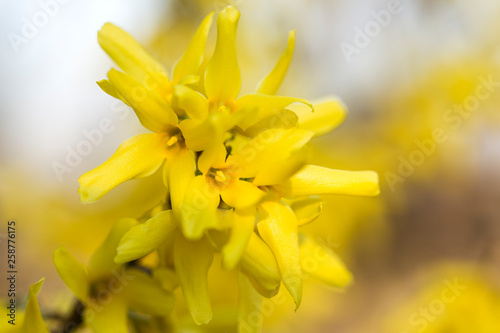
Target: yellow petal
{"points": [[283, 119], [167, 277], [329, 113], [193, 56], [213, 157], [222, 77], [137, 157], [243, 227], [144, 238], [241, 194], [132, 57], [258, 262], [108, 88], [181, 171], [225, 219], [192, 260], [237, 143], [33, 321], [306, 209], [215, 126], [144, 294], [108, 317], [249, 307], [192, 102], [278, 227], [267, 149], [266, 105], [196, 132], [152, 110], [315, 180], [320, 262], [72, 272], [273, 80], [281, 170], [102, 262], [199, 211], [191, 80]]}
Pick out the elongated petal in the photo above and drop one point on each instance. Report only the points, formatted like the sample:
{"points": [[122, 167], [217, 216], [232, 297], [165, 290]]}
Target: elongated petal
{"points": [[181, 171], [213, 157], [283, 119], [315, 180], [192, 260], [108, 88], [144, 294], [33, 321], [152, 110], [137, 157], [199, 211], [281, 170], [242, 194], [132, 57], [167, 277], [193, 56], [222, 77], [191, 80], [266, 105], [144, 238], [322, 263], [192, 102], [108, 317], [306, 209], [196, 132], [102, 262], [329, 113], [273, 80], [73, 273], [267, 149], [244, 224], [215, 126], [258, 262], [249, 306], [278, 227]]}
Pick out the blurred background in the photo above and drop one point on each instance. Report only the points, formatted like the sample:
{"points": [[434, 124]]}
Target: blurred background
{"points": [[421, 80]]}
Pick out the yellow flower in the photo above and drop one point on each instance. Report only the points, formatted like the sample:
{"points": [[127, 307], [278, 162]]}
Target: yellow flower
{"points": [[146, 88], [221, 110], [108, 290], [192, 259], [244, 194]]}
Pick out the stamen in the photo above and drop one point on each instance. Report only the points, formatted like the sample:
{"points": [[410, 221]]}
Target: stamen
{"points": [[220, 177], [172, 141]]}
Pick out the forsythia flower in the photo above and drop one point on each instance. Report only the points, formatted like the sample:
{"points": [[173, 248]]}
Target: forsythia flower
{"points": [[108, 290], [236, 173], [147, 89]]}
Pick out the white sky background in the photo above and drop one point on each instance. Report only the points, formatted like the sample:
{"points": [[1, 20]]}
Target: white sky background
{"points": [[48, 93], [48, 90]]}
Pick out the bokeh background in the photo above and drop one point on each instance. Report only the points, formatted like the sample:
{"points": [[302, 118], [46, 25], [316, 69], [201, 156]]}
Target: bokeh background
{"points": [[429, 67]]}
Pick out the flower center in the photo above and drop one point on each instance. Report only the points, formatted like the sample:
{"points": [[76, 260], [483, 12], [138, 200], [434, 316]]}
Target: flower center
{"points": [[219, 178], [172, 141]]}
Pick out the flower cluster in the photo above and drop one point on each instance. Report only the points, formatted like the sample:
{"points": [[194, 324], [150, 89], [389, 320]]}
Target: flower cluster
{"points": [[237, 181]]}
